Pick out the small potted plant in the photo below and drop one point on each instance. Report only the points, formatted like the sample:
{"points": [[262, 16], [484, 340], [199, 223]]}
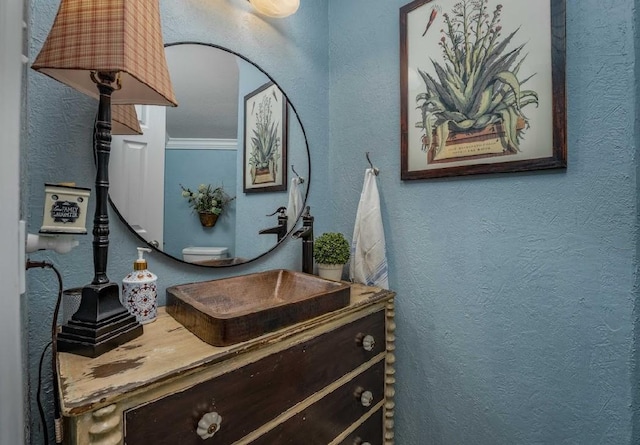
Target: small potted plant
{"points": [[208, 202], [331, 253]]}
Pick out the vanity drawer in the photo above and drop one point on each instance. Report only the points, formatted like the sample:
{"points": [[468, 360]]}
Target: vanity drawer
{"points": [[323, 421], [251, 395], [369, 432]]}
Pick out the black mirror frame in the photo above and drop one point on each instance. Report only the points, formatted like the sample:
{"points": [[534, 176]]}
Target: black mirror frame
{"points": [[308, 179]]}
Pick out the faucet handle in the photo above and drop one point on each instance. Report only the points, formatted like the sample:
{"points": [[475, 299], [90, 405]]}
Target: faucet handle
{"points": [[280, 210], [306, 216]]}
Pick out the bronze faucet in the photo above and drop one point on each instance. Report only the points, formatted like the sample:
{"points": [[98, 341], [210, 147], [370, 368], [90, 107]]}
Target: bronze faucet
{"points": [[306, 233], [281, 228]]}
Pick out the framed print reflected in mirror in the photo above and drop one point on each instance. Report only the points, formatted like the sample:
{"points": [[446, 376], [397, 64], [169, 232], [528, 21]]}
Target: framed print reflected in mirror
{"points": [[265, 140]]}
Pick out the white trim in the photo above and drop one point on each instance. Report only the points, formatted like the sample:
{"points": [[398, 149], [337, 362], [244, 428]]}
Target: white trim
{"points": [[201, 144], [11, 375], [143, 115]]}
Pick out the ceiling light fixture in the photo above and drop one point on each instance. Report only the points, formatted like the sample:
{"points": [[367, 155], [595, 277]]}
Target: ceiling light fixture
{"points": [[276, 8]]}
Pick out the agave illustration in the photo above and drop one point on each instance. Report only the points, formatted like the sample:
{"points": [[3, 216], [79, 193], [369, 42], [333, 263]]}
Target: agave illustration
{"points": [[478, 84], [265, 142]]}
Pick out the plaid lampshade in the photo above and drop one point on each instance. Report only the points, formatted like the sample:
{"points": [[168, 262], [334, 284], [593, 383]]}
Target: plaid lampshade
{"points": [[124, 120], [109, 36]]}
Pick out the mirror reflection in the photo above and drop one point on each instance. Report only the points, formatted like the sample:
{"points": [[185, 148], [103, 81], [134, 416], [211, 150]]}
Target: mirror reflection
{"points": [[204, 182]]}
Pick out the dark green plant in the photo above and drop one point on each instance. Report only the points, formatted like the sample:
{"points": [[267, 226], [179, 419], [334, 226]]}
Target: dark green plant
{"points": [[331, 248], [207, 199], [478, 84]]}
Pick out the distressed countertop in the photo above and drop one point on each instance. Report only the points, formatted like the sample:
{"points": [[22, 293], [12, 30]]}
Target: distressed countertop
{"points": [[167, 349]]}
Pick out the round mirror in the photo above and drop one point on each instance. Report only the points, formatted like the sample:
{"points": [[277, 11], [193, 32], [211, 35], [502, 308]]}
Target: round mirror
{"points": [[204, 182]]}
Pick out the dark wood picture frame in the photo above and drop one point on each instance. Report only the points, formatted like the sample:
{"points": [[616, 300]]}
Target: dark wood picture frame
{"points": [[449, 125], [265, 140]]}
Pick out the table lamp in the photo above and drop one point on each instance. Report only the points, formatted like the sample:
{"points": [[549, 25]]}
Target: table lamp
{"points": [[111, 50], [124, 120]]}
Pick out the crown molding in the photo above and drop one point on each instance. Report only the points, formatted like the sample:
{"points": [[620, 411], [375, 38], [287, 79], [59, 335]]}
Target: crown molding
{"points": [[201, 144]]}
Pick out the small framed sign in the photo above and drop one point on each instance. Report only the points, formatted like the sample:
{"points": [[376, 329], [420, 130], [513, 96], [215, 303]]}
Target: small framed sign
{"points": [[65, 209]]}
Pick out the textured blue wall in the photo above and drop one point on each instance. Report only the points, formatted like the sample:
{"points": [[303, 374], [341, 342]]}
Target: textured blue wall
{"points": [[516, 292], [515, 320], [60, 124], [636, 313], [191, 168]]}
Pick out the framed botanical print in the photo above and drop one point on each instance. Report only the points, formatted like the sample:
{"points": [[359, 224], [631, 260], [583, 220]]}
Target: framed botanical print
{"points": [[482, 87], [265, 140]]}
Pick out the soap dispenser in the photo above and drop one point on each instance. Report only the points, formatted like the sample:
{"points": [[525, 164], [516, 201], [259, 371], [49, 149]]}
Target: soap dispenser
{"points": [[139, 291]]}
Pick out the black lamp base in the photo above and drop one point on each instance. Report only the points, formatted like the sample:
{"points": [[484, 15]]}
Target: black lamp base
{"points": [[100, 324]]}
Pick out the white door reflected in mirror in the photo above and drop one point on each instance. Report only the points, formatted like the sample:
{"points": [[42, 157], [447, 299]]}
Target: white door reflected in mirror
{"points": [[136, 173]]}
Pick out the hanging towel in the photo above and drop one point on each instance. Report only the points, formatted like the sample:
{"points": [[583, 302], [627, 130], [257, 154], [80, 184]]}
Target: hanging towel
{"points": [[294, 207], [368, 257]]}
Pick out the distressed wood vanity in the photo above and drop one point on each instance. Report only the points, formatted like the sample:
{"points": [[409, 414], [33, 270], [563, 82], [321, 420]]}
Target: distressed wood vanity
{"points": [[328, 380]]}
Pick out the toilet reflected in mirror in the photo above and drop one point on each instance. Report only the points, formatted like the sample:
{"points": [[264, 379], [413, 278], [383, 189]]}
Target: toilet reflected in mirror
{"points": [[200, 142], [201, 254]]}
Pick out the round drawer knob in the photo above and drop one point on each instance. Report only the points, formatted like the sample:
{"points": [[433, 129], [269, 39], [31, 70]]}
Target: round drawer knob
{"points": [[359, 441], [365, 397], [209, 425], [366, 341]]}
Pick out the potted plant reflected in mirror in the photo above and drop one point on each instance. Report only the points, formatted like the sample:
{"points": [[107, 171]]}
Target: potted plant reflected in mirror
{"points": [[331, 253], [208, 202]]}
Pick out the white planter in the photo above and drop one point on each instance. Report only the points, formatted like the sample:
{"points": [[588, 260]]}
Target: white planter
{"points": [[330, 271]]}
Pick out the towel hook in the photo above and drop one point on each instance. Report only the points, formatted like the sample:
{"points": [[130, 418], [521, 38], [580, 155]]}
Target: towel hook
{"points": [[297, 175], [375, 170]]}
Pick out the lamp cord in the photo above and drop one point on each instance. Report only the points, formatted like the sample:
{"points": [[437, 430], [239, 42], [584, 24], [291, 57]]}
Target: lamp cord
{"points": [[43, 418], [54, 352]]}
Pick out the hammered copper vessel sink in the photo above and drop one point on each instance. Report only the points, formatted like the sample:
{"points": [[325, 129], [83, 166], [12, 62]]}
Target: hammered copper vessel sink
{"points": [[231, 310]]}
